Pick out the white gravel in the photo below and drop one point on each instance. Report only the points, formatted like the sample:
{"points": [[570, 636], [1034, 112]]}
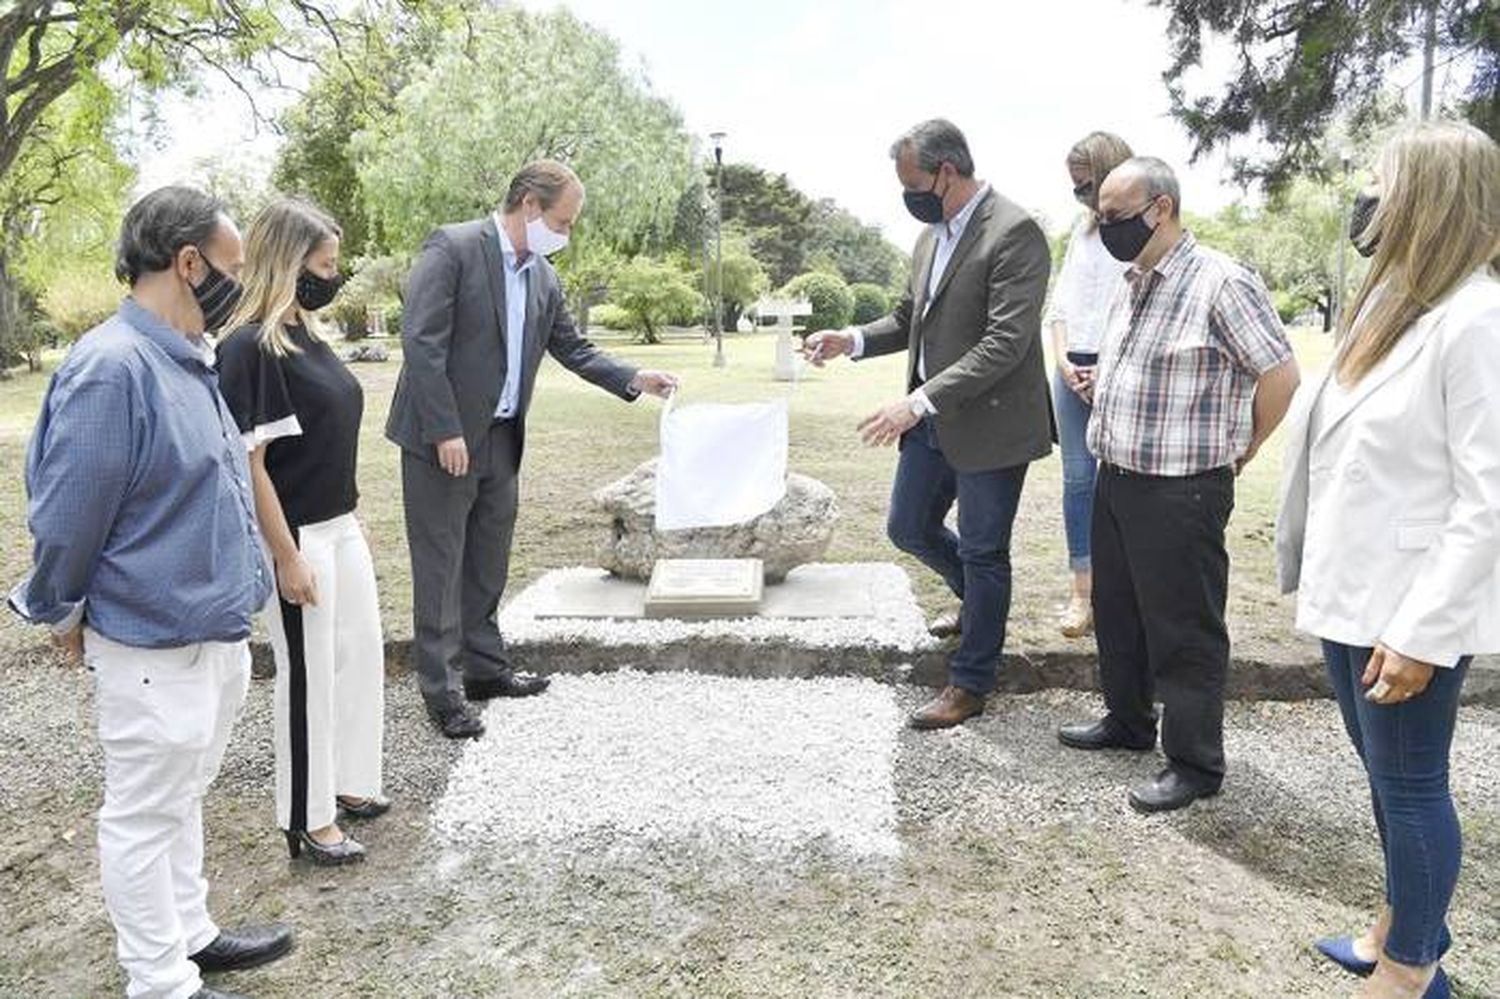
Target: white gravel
{"points": [[770, 764], [898, 623]]}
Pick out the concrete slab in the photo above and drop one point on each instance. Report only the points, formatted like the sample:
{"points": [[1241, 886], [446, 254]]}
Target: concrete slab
{"points": [[809, 592]]}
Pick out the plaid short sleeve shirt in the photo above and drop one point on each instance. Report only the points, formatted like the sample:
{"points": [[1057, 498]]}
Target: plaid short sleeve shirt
{"points": [[1184, 344]]}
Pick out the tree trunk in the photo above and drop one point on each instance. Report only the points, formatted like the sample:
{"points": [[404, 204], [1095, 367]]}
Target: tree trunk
{"points": [[10, 315]]}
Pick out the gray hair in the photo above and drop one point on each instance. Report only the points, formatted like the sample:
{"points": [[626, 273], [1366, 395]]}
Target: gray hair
{"points": [[936, 141], [1156, 176], [159, 225], [547, 179]]}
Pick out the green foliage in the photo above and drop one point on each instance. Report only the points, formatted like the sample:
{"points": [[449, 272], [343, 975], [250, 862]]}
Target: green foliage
{"points": [[611, 317], [76, 299], [870, 302], [745, 280], [859, 252], [654, 294], [377, 285], [832, 301], [509, 87], [1303, 63]]}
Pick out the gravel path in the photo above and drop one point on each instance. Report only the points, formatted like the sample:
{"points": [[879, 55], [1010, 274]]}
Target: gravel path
{"points": [[1020, 871]]}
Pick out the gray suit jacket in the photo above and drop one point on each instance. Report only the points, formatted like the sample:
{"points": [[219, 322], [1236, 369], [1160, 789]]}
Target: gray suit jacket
{"points": [[453, 341], [982, 339]]}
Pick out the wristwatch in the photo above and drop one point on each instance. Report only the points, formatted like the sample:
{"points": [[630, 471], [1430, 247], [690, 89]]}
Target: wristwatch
{"points": [[917, 409]]}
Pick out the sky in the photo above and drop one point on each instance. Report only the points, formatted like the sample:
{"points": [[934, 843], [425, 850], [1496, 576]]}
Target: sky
{"points": [[819, 90]]}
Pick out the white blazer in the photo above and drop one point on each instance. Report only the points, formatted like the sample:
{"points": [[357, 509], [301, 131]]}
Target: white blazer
{"points": [[1389, 526]]}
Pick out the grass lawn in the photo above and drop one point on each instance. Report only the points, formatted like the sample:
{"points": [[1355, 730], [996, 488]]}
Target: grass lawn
{"points": [[580, 438]]}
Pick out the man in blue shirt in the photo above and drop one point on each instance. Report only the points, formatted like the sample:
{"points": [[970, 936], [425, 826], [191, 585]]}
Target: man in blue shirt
{"points": [[149, 564]]}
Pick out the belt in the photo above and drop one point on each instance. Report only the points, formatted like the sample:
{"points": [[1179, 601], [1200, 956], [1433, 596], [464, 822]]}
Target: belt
{"points": [[1131, 473]]}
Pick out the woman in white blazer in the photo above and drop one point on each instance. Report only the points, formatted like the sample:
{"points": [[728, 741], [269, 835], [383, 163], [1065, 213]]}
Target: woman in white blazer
{"points": [[1389, 528]]}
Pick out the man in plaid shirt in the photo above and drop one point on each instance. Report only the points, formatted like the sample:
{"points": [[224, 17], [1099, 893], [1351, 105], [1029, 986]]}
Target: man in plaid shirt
{"points": [[1194, 373]]}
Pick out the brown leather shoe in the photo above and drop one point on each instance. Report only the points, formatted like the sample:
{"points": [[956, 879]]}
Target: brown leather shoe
{"points": [[952, 706], [945, 625]]}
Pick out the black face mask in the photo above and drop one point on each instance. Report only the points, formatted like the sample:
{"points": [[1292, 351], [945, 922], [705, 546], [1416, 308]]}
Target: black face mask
{"points": [[217, 295], [1359, 220], [925, 206], [315, 291], [1126, 238], [1084, 193]]}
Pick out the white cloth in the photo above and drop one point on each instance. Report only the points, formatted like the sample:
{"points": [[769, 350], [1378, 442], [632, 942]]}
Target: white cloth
{"points": [[516, 278], [1389, 525], [1086, 283], [330, 681], [164, 718], [720, 464]]}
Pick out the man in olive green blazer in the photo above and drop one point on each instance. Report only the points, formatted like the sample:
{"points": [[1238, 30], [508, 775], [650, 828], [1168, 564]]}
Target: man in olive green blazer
{"points": [[977, 411]]}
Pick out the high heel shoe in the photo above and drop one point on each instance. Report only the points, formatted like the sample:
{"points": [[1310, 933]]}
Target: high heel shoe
{"points": [[345, 851], [366, 808], [1340, 950]]}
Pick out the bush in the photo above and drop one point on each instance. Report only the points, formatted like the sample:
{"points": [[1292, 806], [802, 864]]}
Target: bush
{"points": [[654, 294], [611, 317], [76, 302], [870, 302], [832, 301]]}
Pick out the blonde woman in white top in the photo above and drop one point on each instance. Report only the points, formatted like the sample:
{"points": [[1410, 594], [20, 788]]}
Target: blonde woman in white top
{"points": [[1075, 318], [1390, 520]]}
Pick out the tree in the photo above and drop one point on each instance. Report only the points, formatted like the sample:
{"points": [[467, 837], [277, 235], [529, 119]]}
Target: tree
{"points": [[50, 49], [1302, 63], [654, 294], [832, 301], [860, 252], [776, 217], [510, 87], [744, 279]]}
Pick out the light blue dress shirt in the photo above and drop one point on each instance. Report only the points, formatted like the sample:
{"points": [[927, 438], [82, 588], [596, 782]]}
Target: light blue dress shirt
{"points": [[517, 280], [140, 499]]}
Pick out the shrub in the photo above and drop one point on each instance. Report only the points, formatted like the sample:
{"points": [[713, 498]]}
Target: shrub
{"points": [[832, 301], [870, 302], [610, 316], [75, 302], [654, 294]]}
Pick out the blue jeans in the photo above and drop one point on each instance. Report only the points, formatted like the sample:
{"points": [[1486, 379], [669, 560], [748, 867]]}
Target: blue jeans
{"points": [[975, 562], [1079, 469], [1404, 748]]}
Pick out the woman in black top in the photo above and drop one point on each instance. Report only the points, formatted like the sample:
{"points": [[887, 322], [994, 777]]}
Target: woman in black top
{"points": [[299, 409]]}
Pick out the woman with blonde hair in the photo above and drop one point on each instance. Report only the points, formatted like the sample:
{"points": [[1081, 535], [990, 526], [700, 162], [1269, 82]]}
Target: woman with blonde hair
{"points": [[1390, 519], [1075, 315], [299, 409]]}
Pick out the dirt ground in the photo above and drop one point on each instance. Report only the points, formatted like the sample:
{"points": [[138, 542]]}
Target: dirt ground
{"points": [[1022, 873]]}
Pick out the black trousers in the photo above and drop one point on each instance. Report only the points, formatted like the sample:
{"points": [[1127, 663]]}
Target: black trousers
{"points": [[1161, 578], [459, 532]]}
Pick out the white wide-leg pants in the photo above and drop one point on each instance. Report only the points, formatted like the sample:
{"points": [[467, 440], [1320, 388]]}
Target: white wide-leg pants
{"points": [[330, 680], [164, 719]]}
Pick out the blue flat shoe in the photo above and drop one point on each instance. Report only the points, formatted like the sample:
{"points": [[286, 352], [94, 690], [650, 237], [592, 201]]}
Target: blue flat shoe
{"points": [[1438, 988], [1340, 950]]}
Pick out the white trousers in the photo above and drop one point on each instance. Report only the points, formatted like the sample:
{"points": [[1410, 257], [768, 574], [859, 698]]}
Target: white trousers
{"points": [[164, 718], [330, 680]]}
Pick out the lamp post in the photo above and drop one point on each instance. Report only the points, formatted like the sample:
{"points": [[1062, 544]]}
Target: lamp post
{"points": [[718, 141]]}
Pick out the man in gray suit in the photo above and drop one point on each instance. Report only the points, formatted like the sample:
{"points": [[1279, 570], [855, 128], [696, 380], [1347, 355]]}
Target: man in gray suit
{"points": [[977, 409], [483, 306]]}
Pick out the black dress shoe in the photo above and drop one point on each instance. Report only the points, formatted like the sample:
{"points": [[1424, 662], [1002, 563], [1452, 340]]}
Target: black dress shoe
{"points": [[1169, 791], [506, 684], [346, 851], [1105, 733], [250, 947], [456, 720], [208, 993]]}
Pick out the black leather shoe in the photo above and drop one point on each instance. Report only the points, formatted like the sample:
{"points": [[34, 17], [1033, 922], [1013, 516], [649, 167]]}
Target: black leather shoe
{"points": [[207, 993], [506, 684], [1102, 734], [456, 720], [346, 851], [250, 947], [1169, 791]]}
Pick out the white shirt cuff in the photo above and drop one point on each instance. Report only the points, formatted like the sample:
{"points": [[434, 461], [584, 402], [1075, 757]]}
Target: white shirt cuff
{"points": [[265, 433], [858, 350], [924, 402]]}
